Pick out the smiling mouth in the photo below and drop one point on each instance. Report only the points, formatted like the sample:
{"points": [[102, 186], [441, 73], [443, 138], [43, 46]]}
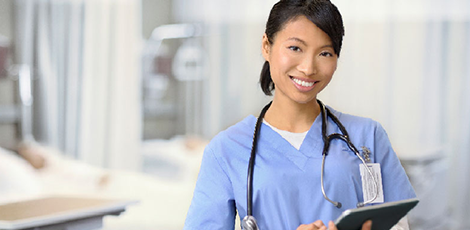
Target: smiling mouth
{"points": [[303, 83]]}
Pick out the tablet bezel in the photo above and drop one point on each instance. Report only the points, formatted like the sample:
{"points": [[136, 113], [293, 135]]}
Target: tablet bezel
{"points": [[383, 216]]}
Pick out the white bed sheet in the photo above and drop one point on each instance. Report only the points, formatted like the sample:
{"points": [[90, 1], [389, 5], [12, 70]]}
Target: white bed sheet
{"points": [[163, 202]]}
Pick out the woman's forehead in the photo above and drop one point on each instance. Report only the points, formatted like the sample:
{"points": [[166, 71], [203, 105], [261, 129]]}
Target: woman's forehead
{"points": [[302, 30]]}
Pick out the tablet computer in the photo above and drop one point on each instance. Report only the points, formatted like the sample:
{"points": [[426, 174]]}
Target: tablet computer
{"points": [[384, 216]]}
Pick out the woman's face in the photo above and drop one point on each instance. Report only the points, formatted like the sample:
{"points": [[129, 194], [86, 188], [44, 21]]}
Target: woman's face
{"points": [[301, 59]]}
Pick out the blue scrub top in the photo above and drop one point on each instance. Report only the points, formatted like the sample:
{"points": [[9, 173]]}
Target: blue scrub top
{"points": [[286, 183]]}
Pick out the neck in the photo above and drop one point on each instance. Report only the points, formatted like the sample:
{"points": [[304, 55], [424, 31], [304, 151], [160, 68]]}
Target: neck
{"points": [[292, 116]]}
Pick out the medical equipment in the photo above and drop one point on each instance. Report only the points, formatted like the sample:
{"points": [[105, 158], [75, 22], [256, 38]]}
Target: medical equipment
{"points": [[174, 72], [249, 221], [23, 75], [383, 216]]}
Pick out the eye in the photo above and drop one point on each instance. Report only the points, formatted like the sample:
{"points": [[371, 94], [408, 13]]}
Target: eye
{"points": [[326, 54], [294, 48]]}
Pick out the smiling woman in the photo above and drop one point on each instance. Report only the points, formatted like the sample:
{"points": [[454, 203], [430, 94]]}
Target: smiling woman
{"points": [[300, 67], [285, 187]]}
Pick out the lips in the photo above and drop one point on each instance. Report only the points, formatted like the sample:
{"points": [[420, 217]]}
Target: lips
{"points": [[303, 84]]}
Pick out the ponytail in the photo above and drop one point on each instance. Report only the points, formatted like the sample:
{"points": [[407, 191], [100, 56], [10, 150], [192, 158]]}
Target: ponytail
{"points": [[267, 84]]}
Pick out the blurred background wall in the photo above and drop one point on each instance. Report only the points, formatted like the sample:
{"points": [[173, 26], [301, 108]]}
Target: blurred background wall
{"points": [[132, 81], [7, 91]]}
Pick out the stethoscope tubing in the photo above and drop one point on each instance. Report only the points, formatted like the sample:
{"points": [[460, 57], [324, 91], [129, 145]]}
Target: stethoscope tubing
{"points": [[325, 112], [249, 222], [251, 164]]}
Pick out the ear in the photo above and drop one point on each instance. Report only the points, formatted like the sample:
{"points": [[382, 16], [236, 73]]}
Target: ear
{"points": [[265, 47]]}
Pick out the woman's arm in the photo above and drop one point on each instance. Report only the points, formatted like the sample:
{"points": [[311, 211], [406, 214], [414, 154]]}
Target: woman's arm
{"points": [[213, 204]]}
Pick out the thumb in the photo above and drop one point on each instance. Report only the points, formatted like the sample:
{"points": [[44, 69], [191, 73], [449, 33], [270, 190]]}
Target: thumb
{"points": [[332, 226]]}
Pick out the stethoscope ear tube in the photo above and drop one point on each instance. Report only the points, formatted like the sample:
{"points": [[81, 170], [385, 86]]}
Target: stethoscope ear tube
{"points": [[251, 164]]}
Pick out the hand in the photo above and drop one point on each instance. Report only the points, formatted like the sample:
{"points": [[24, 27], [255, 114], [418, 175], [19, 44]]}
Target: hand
{"points": [[366, 226], [317, 225]]}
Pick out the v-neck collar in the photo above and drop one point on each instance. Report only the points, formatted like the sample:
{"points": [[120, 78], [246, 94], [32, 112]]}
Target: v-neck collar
{"points": [[313, 142], [310, 148]]}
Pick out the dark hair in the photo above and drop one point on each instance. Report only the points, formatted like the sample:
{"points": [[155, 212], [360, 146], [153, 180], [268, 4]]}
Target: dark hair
{"points": [[322, 13]]}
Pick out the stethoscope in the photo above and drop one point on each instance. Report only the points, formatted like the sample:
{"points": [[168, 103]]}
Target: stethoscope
{"points": [[249, 221]]}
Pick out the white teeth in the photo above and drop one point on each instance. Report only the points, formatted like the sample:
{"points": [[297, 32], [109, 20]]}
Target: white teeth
{"points": [[303, 83]]}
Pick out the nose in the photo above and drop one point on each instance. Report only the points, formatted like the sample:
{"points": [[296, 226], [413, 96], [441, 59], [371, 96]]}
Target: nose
{"points": [[308, 66]]}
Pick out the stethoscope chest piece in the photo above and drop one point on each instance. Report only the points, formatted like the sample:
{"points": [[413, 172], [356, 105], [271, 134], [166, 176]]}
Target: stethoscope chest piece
{"points": [[249, 223]]}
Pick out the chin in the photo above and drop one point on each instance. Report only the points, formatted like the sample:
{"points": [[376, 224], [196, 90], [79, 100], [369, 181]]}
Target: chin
{"points": [[306, 100]]}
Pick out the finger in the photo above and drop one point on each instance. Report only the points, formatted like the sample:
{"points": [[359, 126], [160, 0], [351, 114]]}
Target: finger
{"points": [[367, 225], [307, 227], [332, 226], [313, 226], [319, 223]]}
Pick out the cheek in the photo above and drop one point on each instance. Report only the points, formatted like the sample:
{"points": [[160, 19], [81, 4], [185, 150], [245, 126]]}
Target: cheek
{"points": [[282, 61], [329, 68]]}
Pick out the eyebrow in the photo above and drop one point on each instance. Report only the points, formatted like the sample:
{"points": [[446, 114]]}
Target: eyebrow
{"points": [[297, 40], [304, 43]]}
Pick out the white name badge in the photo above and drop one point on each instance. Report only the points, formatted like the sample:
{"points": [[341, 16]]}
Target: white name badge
{"points": [[368, 184]]}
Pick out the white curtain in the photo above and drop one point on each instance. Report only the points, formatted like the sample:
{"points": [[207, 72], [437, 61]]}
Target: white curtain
{"points": [[85, 56], [407, 67], [403, 63]]}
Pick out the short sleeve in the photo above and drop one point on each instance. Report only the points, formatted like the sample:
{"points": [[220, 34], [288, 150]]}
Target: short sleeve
{"points": [[213, 204], [396, 184]]}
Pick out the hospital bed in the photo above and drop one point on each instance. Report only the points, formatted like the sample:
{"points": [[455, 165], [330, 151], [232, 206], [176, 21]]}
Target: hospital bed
{"points": [[59, 213], [162, 201]]}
